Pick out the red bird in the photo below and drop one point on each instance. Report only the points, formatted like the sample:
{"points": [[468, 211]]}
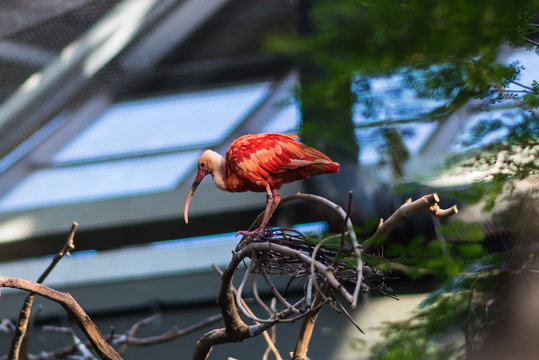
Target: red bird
{"points": [[261, 162]]}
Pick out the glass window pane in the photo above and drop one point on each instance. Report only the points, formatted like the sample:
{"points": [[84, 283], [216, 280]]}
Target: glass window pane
{"points": [[285, 121], [59, 185], [193, 119], [389, 100]]}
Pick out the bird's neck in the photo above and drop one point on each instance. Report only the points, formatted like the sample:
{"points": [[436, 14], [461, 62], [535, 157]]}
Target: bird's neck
{"points": [[219, 173]]}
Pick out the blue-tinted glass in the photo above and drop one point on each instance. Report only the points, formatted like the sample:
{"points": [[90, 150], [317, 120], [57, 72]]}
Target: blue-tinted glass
{"points": [[467, 140], [287, 120], [527, 60], [372, 144], [185, 120], [53, 186], [389, 98]]}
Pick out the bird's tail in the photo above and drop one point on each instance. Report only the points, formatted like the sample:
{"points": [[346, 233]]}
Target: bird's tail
{"points": [[332, 167], [320, 167]]}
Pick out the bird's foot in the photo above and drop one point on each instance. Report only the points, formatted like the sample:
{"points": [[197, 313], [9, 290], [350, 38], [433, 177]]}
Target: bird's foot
{"points": [[248, 236], [259, 231]]}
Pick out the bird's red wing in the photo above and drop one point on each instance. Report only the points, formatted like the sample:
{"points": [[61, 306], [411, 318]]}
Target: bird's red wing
{"points": [[275, 159]]}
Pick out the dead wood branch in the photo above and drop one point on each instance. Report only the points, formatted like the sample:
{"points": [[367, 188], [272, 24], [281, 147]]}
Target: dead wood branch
{"points": [[103, 349], [269, 340], [130, 340], [133, 331], [24, 314], [235, 329], [170, 335], [86, 354], [6, 326], [427, 202], [305, 333], [351, 233], [286, 251]]}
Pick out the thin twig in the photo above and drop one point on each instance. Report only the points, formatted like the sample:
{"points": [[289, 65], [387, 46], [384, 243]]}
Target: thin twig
{"points": [[24, 314], [170, 335], [86, 354], [307, 327], [313, 274], [343, 309], [257, 297], [353, 238], [275, 291], [270, 339], [30, 328], [343, 229], [134, 329]]}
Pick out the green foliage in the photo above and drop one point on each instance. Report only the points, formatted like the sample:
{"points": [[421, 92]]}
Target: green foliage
{"points": [[448, 51], [462, 304], [442, 258], [453, 43], [418, 337]]}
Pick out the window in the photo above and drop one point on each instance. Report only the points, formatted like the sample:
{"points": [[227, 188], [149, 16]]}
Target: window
{"points": [[137, 147]]}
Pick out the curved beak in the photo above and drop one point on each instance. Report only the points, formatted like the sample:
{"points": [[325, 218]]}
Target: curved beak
{"points": [[198, 178]]}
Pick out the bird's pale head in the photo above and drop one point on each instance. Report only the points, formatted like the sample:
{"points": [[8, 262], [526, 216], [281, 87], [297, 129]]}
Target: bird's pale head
{"points": [[208, 162]]}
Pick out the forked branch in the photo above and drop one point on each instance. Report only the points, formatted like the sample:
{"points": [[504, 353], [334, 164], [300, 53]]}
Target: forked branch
{"points": [[104, 350], [427, 202], [24, 314]]}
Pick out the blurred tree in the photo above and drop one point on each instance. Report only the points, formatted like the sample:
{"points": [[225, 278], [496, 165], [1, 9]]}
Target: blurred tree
{"points": [[451, 51], [447, 50], [328, 124]]}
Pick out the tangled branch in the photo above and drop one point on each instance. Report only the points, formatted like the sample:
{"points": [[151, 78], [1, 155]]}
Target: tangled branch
{"points": [[326, 271]]}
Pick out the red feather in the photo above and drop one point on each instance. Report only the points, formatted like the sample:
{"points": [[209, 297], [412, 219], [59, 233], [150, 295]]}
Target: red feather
{"points": [[253, 161]]}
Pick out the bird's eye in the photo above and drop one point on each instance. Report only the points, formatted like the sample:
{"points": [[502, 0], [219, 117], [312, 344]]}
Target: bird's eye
{"points": [[202, 165]]}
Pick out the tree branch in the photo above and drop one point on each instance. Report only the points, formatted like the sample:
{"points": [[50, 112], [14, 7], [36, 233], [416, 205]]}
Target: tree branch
{"points": [[103, 349], [24, 314], [427, 202], [86, 354], [351, 232]]}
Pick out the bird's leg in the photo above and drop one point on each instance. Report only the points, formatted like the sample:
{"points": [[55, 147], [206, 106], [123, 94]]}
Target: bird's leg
{"points": [[273, 199], [267, 212], [275, 203]]}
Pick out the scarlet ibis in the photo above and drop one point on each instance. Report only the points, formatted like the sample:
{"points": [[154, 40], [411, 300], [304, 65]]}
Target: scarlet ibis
{"points": [[261, 163]]}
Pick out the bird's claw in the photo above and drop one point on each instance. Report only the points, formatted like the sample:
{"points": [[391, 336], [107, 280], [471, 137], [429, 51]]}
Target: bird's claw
{"points": [[248, 236], [257, 232]]}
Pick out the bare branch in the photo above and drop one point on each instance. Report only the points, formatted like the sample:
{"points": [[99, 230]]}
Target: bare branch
{"points": [[273, 289], [343, 309], [344, 227], [235, 329], [6, 326], [427, 202], [353, 238], [270, 340], [30, 328], [104, 350], [133, 331], [305, 333], [249, 313], [170, 335], [86, 354], [24, 314]]}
